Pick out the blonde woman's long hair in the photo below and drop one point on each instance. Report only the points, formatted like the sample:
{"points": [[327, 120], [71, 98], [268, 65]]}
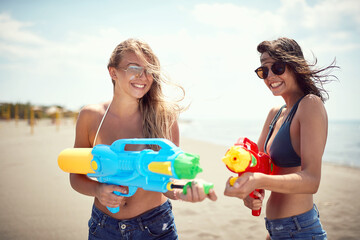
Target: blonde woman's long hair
{"points": [[158, 113]]}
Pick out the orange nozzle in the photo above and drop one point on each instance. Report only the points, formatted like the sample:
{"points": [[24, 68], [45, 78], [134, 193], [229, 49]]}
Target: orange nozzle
{"points": [[76, 160]]}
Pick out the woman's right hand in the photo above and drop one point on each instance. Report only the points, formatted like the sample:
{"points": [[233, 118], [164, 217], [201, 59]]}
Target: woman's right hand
{"points": [[252, 203], [106, 196]]}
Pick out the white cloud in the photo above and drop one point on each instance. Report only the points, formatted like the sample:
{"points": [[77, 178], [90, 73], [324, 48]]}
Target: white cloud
{"points": [[326, 20], [215, 66], [330, 14], [209, 67], [54, 72], [245, 20], [14, 31]]}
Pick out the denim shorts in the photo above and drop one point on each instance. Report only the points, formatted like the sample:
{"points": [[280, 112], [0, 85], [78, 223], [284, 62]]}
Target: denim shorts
{"points": [[303, 226], [157, 223]]}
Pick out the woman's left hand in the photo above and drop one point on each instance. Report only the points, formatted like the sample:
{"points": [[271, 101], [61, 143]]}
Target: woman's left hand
{"points": [[195, 193]]}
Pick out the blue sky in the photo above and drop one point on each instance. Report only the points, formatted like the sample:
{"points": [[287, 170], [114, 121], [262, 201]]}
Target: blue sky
{"points": [[56, 52]]}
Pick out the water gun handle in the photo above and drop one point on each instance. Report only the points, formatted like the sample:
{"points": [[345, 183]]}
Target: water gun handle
{"points": [[131, 192], [207, 186], [256, 212], [113, 210]]}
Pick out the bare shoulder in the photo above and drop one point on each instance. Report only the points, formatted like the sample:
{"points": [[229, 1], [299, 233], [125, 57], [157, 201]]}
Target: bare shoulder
{"points": [[273, 111], [93, 111], [311, 105], [311, 99], [90, 115], [87, 122]]}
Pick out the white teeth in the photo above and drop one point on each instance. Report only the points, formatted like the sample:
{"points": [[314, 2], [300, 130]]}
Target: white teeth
{"points": [[274, 85], [139, 85]]}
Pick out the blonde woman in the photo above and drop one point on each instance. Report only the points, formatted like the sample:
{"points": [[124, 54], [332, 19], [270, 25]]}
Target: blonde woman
{"points": [[137, 110]]}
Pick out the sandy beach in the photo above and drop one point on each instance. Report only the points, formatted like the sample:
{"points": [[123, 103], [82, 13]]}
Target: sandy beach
{"points": [[37, 201]]}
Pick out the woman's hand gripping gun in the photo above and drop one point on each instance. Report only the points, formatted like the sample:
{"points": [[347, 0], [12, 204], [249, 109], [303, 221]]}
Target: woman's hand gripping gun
{"points": [[147, 169], [243, 157]]}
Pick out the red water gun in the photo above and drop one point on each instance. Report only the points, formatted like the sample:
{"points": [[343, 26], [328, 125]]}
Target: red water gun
{"points": [[243, 157]]}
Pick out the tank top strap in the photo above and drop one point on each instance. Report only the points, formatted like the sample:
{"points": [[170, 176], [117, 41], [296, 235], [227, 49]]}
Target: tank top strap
{"points": [[293, 110], [102, 120], [271, 126]]}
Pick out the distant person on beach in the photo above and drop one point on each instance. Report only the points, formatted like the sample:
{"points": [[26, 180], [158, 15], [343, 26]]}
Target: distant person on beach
{"points": [[294, 136], [137, 110]]}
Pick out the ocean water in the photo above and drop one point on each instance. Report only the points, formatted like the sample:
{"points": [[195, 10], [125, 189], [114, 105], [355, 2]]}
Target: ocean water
{"points": [[342, 147]]}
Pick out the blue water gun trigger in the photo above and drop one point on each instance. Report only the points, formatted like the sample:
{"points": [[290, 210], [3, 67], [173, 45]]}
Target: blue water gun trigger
{"points": [[131, 192], [113, 210]]}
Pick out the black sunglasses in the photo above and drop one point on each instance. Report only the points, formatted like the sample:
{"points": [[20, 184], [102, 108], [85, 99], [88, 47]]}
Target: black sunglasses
{"points": [[277, 68]]}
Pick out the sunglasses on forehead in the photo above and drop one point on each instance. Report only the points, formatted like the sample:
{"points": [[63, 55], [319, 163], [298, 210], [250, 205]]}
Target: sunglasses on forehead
{"points": [[277, 68]]}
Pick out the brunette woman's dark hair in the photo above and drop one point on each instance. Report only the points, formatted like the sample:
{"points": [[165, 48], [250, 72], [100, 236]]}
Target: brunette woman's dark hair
{"points": [[310, 79]]}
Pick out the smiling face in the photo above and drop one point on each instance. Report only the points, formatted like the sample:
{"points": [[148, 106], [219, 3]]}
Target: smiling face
{"points": [[280, 85], [131, 77]]}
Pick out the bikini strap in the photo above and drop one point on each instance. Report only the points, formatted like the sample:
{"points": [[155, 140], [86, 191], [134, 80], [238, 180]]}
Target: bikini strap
{"points": [[271, 126], [293, 110], [102, 120]]}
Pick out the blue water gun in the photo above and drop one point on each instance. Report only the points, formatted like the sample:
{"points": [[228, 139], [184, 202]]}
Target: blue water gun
{"points": [[147, 169]]}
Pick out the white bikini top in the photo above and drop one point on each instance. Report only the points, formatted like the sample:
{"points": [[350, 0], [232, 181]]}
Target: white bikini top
{"points": [[102, 120]]}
